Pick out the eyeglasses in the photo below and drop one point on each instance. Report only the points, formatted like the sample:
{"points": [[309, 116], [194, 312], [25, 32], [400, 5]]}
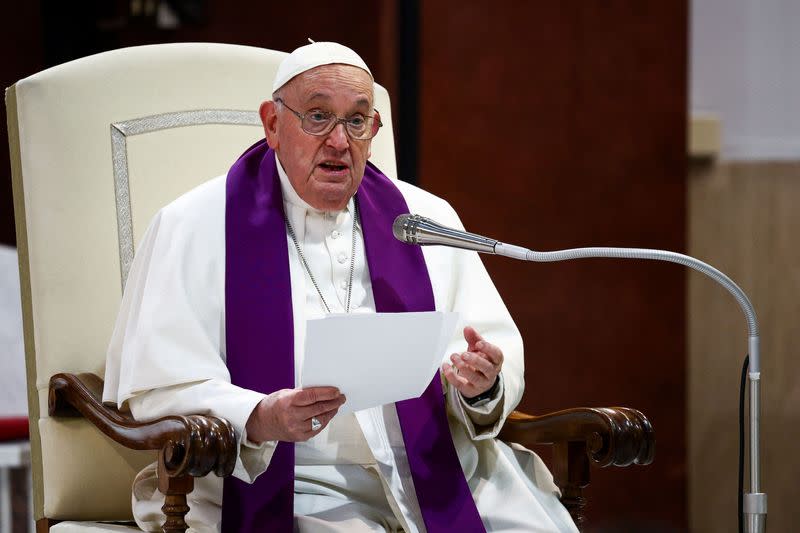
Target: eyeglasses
{"points": [[315, 122]]}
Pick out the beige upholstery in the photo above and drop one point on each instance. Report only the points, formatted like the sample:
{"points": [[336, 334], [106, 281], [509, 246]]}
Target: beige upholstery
{"points": [[91, 527], [60, 125]]}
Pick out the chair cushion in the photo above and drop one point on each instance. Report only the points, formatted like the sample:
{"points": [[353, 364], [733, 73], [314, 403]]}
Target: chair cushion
{"points": [[71, 446], [91, 527]]}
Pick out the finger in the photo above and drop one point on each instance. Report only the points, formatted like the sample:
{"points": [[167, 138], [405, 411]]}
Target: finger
{"points": [[480, 363], [472, 337], [475, 379], [454, 379], [313, 395], [306, 412], [494, 353], [466, 371], [469, 361], [324, 419]]}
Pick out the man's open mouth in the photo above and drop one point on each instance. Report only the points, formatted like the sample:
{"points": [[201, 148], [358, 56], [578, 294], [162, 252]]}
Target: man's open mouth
{"points": [[336, 167]]}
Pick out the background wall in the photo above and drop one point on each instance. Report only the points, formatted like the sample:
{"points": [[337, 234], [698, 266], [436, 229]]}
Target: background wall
{"points": [[21, 32], [744, 220], [562, 124], [549, 124], [745, 66]]}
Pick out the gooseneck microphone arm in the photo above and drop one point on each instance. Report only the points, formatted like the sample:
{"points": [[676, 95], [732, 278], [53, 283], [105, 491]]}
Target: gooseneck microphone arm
{"points": [[415, 229]]}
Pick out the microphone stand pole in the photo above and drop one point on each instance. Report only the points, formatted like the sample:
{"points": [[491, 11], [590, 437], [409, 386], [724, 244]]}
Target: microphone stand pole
{"points": [[755, 501]]}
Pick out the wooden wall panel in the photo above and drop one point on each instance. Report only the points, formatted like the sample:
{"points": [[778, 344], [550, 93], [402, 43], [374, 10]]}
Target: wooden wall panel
{"points": [[561, 124], [743, 219]]}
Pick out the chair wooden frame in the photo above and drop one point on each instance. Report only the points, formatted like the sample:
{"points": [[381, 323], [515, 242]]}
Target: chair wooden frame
{"points": [[195, 446]]}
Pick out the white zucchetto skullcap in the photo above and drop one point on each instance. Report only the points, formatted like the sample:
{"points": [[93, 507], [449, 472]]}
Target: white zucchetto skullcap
{"points": [[315, 55]]}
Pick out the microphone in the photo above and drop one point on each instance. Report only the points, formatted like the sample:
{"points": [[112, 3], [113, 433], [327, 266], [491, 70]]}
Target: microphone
{"points": [[415, 229]]}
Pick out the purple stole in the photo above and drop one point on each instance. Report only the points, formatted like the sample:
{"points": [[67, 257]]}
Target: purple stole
{"points": [[260, 343]]}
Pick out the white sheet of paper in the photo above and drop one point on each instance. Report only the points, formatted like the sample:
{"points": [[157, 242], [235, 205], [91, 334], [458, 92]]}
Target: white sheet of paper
{"points": [[376, 358]]}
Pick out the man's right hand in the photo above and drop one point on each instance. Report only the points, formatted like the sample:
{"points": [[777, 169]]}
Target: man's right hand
{"points": [[286, 414]]}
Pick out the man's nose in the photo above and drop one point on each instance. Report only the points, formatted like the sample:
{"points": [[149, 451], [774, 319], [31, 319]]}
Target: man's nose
{"points": [[338, 138]]}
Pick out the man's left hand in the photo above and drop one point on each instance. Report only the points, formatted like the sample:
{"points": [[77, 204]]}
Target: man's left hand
{"points": [[474, 372]]}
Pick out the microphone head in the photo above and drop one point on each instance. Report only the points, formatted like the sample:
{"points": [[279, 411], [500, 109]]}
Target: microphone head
{"points": [[406, 228], [399, 227], [422, 231]]}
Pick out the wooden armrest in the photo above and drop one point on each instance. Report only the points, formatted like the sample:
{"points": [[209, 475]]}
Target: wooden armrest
{"points": [[192, 445], [188, 446], [617, 436], [606, 436]]}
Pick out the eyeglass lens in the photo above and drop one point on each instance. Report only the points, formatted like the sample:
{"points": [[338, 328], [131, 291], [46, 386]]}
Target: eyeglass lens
{"points": [[321, 123]]}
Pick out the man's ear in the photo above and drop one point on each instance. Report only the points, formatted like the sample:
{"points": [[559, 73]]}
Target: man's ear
{"points": [[269, 119], [369, 150]]}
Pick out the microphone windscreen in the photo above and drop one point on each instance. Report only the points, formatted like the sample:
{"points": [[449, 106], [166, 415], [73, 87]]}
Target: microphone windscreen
{"points": [[398, 228]]}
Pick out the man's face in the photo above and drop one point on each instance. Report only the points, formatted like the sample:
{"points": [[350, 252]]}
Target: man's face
{"points": [[324, 170]]}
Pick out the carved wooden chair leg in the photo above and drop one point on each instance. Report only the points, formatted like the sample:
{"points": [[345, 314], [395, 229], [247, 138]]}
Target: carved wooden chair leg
{"points": [[571, 475], [174, 490]]}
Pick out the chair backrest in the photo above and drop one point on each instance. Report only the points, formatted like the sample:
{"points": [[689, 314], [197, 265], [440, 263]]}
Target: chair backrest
{"points": [[98, 145]]}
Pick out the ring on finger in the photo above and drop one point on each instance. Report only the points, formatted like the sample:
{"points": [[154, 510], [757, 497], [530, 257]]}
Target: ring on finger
{"points": [[315, 423]]}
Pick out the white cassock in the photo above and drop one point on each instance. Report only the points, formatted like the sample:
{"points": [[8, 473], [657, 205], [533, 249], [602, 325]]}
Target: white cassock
{"points": [[167, 356]]}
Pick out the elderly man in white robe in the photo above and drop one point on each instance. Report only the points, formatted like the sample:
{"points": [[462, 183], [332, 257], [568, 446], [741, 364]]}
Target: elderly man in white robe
{"points": [[177, 347]]}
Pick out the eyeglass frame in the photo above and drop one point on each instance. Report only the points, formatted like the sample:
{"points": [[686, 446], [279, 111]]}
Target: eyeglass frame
{"points": [[336, 121]]}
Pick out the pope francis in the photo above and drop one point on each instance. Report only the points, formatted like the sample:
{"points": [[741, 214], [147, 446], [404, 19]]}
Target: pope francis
{"points": [[213, 322]]}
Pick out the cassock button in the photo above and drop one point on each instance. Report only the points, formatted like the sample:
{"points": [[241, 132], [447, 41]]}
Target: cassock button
{"points": [[342, 257], [335, 234]]}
